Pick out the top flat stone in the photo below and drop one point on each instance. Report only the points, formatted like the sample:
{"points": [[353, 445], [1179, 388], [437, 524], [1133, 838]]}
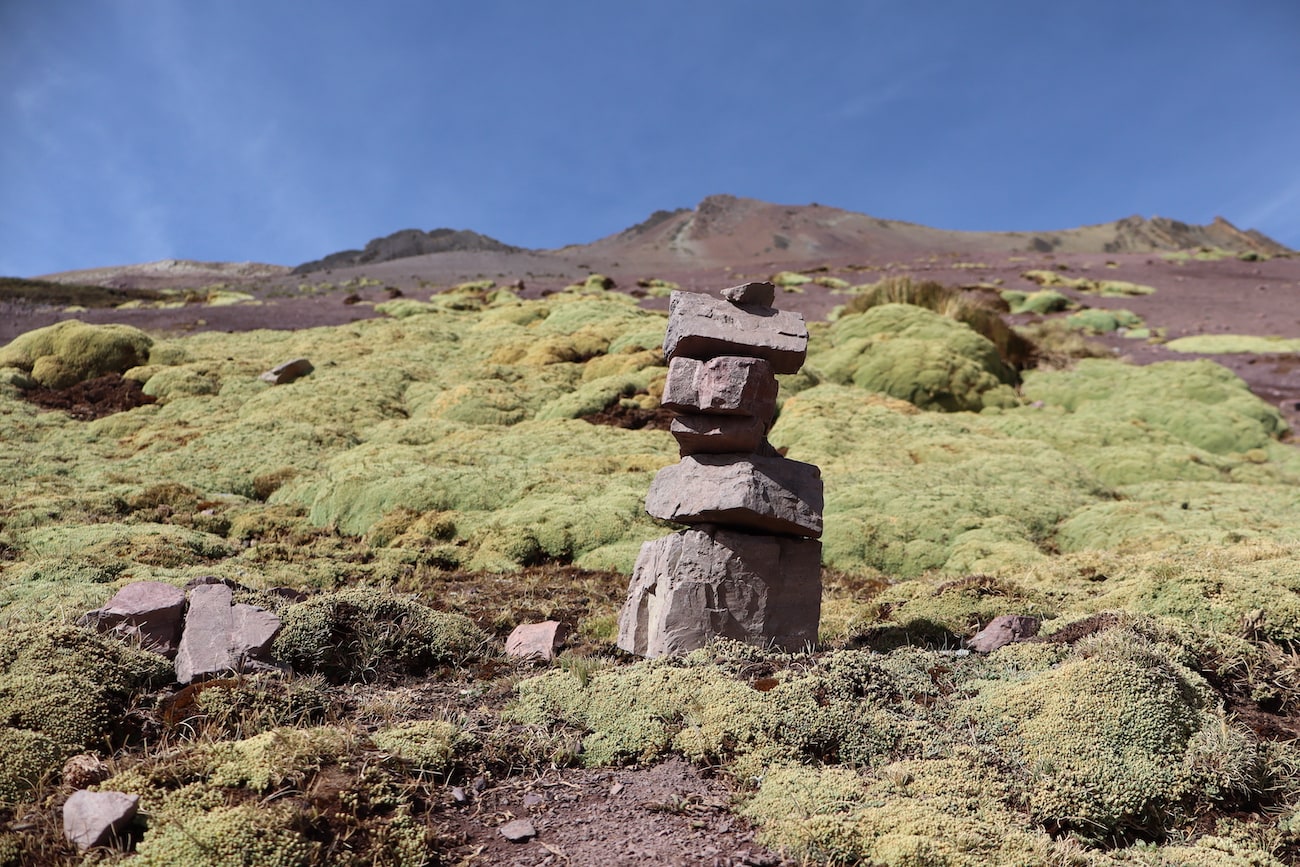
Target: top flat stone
{"points": [[704, 327], [759, 294]]}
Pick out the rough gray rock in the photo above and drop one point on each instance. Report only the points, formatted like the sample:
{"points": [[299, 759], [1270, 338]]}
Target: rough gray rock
{"points": [[288, 371], [767, 494], [703, 327], [150, 611], [1003, 630], [700, 584], [717, 434], [535, 640], [727, 385], [751, 294], [96, 818], [220, 637], [518, 831]]}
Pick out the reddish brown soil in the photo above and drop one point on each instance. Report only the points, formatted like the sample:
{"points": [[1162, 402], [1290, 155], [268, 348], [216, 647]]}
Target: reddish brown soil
{"points": [[671, 814], [94, 398]]}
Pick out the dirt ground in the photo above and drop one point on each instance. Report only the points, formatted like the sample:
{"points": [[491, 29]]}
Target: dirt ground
{"points": [[671, 814]]}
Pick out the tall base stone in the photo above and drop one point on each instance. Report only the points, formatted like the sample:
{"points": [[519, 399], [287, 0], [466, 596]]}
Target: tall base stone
{"points": [[707, 583]]}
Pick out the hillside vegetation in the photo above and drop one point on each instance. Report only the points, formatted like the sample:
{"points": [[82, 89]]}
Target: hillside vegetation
{"points": [[1150, 516]]}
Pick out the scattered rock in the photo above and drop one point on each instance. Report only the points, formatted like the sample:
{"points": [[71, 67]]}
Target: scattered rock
{"points": [[96, 818], [535, 640], [150, 611], [703, 327], [532, 799], [288, 371], [768, 494], [1003, 630], [727, 385], [518, 831], [85, 770], [458, 795], [220, 637], [755, 294], [700, 584]]}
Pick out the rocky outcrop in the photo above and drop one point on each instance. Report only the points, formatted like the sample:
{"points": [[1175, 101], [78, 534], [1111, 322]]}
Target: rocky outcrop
{"points": [[405, 243], [749, 568]]}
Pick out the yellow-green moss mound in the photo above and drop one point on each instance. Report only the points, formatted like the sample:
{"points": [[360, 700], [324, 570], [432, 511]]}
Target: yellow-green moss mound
{"points": [[915, 355], [362, 634], [69, 352], [63, 690]]}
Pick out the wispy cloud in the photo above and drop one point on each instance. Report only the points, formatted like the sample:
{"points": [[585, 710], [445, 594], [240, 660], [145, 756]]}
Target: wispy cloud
{"points": [[1278, 214]]}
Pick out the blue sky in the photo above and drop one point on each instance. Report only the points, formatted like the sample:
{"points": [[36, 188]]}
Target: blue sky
{"points": [[280, 130]]}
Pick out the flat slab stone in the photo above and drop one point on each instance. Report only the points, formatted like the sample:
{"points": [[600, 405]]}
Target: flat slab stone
{"points": [[727, 385], [150, 611], [717, 434], [701, 584], [703, 327], [95, 818], [766, 494], [535, 640], [220, 637]]}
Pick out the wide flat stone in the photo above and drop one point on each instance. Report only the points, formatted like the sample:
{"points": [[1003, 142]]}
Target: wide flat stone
{"points": [[703, 327], [727, 385], [701, 584], [717, 434], [96, 818], [148, 611], [765, 494]]}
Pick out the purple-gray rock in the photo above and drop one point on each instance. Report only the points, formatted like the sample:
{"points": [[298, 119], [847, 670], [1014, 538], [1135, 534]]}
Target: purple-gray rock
{"points": [[726, 385], [1002, 630], [717, 434], [149, 611], [518, 831], [220, 637], [766, 494], [535, 640], [288, 371], [703, 327], [751, 294], [701, 584], [96, 818]]}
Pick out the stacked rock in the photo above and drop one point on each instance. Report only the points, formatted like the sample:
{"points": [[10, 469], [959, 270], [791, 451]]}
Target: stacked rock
{"points": [[749, 566]]}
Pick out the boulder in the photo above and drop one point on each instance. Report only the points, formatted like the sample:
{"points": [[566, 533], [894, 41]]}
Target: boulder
{"points": [[535, 640], [767, 494], [703, 327], [288, 371], [752, 294], [150, 611], [701, 584], [96, 818], [1002, 630], [726, 385], [717, 434], [220, 637]]}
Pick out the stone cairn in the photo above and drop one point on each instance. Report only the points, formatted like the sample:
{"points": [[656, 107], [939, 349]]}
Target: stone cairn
{"points": [[749, 565]]}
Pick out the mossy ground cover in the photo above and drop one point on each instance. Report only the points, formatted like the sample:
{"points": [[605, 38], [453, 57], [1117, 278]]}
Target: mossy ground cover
{"points": [[444, 451]]}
